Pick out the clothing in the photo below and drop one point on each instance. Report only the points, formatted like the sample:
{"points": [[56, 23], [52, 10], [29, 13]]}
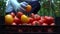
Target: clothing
{"points": [[15, 5]]}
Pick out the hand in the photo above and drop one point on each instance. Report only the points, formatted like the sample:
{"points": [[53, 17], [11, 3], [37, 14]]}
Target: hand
{"points": [[18, 6], [15, 5], [23, 6]]}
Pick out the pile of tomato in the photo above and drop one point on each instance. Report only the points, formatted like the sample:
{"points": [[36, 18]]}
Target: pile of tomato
{"points": [[32, 19]]}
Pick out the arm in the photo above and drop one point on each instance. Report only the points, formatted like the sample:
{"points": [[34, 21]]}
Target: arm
{"points": [[15, 4], [18, 6], [9, 8]]}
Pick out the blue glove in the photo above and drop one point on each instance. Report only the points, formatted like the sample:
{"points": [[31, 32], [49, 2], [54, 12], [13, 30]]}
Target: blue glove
{"points": [[23, 6], [14, 5]]}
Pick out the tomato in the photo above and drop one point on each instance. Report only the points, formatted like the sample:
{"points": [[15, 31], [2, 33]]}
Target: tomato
{"points": [[35, 23], [42, 17], [32, 15], [52, 24], [28, 8], [9, 19], [46, 16], [13, 23], [44, 24], [44, 20], [17, 20], [19, 14], [41, 22], [24, 19], [37, 17], [50, 20], [31, 20], [13, 14]]}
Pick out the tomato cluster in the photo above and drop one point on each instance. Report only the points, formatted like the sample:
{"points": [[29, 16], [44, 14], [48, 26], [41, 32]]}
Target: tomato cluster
{"points": [[33, 19]]}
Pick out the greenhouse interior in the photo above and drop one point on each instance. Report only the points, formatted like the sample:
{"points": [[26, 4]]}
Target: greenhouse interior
{"points": [[30, 16]]}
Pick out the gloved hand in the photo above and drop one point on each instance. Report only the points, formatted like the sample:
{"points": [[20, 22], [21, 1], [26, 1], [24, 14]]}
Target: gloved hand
{"points": [[14, 5], [23, 6]]}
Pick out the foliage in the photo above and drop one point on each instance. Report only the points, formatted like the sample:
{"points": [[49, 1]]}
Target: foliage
{"points": [[2, 8], [50, 8]]}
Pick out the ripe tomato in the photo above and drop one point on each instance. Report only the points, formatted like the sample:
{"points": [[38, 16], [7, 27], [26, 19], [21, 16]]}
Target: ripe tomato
{"points": [[24, 19], [37, 17], [19, 14], [32, 15], [44, 20], [28, 8], [46, 16], [13, 14], [52, 24], [35, 23], [50, 20], [42, 17], [8, 19], [31, 20], [44, 24], [17, 20], [41, 22], [13, 23]]}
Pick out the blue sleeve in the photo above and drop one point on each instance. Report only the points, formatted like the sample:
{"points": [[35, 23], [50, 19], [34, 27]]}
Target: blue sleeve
{"points": [[9, 8], [15, 4]]}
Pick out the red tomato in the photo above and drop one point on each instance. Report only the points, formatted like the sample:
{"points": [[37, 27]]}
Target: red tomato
{"points": [[31, 20], [50, 20], [17, 20], [13, 23], [41, 22], [32, 15], [19, 14], [13, 14], [44, 20], [52, 24], [34, 23], [46, 16], [44, 24], [42, 17], [37, 17]]}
